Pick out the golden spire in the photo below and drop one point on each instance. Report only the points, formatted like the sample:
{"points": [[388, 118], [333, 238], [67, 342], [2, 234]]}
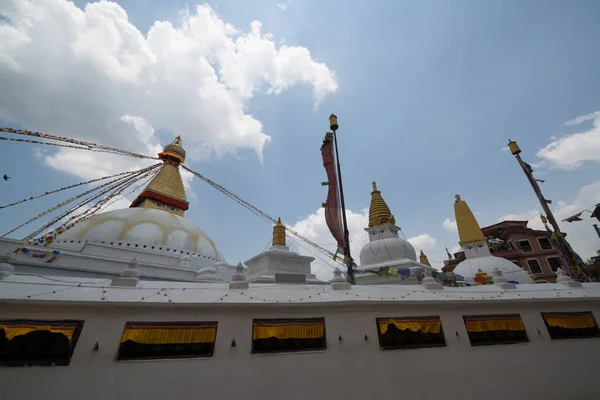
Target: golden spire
{"points": [[379, 212], [423, 259], [279, 234], [173, 151], [468, 229], [165, 191]]}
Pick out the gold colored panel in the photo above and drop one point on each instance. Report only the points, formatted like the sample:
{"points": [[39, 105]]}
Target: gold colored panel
{"points": [[468, 229]]}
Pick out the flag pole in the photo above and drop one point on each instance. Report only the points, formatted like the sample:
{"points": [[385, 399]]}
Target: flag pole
{"points": [[333, 124], [566, 250]]}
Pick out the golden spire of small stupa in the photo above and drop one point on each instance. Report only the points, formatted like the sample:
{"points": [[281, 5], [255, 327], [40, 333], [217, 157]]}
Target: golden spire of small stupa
{"points": [[165, 191], [468, 229], [379, 212], [279, 234], [423, 259]]}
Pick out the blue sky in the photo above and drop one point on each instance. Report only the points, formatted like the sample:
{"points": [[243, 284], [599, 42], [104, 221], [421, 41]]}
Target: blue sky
{"points": [[428, 93]]}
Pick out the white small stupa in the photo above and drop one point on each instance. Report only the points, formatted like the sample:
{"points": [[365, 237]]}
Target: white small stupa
{"points": [[278, 264], [477, 253], [385, 248]]}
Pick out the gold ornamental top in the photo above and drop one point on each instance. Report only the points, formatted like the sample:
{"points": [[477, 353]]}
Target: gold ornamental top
{"points": [[468, 229], [379, 212], [279, 234], [173, 151], [423, 259], [166, 191]]}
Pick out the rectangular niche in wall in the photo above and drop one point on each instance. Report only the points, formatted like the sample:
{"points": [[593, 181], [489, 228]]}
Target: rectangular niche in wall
{"points": [[29, 342], [288, 335], [486, 330], [410, 332], [159, 340], [571, 325]]}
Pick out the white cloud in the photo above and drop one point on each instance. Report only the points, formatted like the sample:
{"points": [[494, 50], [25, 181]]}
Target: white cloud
{"points": [[284, 6], [422, 242], [582, 118], [313, 227], [581, 234], [572, 151], [92, 75], [450, 225]]}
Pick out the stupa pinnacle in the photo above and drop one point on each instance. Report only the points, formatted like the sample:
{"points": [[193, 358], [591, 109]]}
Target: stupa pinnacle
{"points": [[165, 191], [279, 234], [468, 229], [479, 261], [379, 212]]}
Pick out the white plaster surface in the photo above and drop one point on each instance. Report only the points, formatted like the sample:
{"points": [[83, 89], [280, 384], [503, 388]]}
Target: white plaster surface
{"points": [[349, 369]]}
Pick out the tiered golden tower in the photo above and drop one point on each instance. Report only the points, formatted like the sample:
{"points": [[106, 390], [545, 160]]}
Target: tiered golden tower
{"points": [[165, 191]]}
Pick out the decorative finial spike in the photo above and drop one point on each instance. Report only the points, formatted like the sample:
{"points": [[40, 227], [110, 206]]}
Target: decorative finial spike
{"points": [[457, 197], [279, 234], [379, 212]]}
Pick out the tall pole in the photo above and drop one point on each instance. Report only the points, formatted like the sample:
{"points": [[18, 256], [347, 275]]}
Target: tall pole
{"points": [[333, 124], [560, 237]]}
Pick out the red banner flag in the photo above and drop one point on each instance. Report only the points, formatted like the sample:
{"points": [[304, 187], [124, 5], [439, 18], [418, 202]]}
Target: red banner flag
{"points": [[333, 208]]}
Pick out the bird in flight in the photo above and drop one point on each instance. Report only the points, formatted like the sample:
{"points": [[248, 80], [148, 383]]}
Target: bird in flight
{"points": [[6, 177]]}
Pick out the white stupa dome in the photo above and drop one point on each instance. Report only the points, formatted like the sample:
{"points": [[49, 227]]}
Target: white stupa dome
{"points": [[386, 249], [469, 267], [143, 228]]}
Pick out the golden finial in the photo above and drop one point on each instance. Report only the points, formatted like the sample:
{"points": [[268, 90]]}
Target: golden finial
{"points": [[166, 191], [423, 259], [279, 234], [173, 152], [468, 229], [379, 212], [333, 122], [514, 147]]}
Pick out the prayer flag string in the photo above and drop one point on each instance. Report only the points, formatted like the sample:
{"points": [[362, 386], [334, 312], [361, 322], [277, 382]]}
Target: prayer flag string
{"points": [[59, 205], [120, 185], [256, 211], [86, 145], [65, 188]]}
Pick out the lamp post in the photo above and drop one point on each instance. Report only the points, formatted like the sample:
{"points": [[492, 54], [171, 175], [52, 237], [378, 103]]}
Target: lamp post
{"points": [[333, 124], [569, 255]]}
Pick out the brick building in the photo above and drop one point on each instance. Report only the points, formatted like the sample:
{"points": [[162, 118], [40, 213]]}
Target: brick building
{"points": [[530, 249]]}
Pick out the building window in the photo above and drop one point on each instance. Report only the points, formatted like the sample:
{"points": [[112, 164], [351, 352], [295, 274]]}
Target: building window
{"points": [[554, 263], [485, 330], [152, 340], [545, 243], [534, 266], [24, 342], [410, 333], [516, 262], [525, 246], [571, 325], [288, 335]]}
